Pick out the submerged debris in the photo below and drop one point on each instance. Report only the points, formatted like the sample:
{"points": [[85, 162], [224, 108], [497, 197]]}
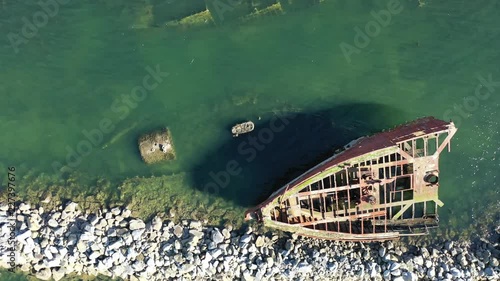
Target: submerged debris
{"points": [[156, 147]]}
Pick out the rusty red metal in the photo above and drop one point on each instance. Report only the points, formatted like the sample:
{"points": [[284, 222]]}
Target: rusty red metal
{"points": [[380, 187]]}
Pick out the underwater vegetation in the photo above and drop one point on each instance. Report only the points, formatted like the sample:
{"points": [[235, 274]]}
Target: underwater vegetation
{"points": [[177, 13], [145, 196]]}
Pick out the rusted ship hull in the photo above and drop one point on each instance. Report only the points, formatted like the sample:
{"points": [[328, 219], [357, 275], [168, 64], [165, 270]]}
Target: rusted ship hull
{"points": [[379, 188]]}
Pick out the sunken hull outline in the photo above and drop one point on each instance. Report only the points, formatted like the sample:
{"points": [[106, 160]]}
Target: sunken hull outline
{"points": [[379, 188]]}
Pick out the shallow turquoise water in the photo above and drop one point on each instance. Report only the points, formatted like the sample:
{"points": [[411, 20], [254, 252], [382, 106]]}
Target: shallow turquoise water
{"points": [[68, 77]]}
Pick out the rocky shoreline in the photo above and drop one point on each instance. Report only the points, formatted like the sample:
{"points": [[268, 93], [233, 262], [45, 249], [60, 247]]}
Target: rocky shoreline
{"points": [[66, 241]]}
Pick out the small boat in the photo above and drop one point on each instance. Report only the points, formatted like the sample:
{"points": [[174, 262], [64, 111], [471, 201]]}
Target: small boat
{"points": [[242, 128]]}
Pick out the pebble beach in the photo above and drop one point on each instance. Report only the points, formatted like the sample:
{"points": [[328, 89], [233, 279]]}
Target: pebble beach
{"points": [[66, 241]]}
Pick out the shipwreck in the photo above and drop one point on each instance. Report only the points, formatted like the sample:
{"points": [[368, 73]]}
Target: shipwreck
{"points": [[380, 187]]}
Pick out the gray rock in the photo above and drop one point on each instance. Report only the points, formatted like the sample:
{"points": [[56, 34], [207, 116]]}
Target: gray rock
{"points": [[178, 231], [409, 276], [53, 249], [111, 232], [186, 268], [215, 253], [455, 272], [381, 251], [44, 243], [4, 206], [211, 245], [247, 276], [48, 254], [23, 236], [490, 273], [387, 274], [171, 213], [217, 237], [118, 270], [116, 211], [137, 234], [431, 273], [453, 252], [116, 245], [396, 272], [440, 271], [289, 245], [395, 266], [108, 215], [196, 234], [26, 267], [226, 233], [34, 226], [391, 257], [94, 219], [53, 223], [424, 252], [249, 230], [126, 213], [55, 262], [70, 207], [195, 225], [246, 238], [435, 253], [157, 223], [81, 246], [44, 274], [373, 270], [94, 256], [448, 245], [23, 207], [366, 255], [486, 254], [418, 260], [138, 266], [58, 274], [445, 267], [304, 268], [177, 245], [259, 242], [136, 224], [332, 267], [270, 262], [252, 248], [361, 272]]}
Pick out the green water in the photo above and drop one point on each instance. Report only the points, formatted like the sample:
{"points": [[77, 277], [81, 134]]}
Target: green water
{"points": [[67, 78]]}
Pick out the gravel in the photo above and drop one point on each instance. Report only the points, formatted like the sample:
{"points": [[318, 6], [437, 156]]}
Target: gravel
{"points": [[54, 244]]}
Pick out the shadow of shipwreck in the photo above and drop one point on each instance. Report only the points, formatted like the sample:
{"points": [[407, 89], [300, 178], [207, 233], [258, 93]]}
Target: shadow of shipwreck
{"points": [[247, 169]]}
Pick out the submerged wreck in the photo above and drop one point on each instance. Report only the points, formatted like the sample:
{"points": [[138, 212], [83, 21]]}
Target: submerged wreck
{"points": [[378, 188], [156, 146]]}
